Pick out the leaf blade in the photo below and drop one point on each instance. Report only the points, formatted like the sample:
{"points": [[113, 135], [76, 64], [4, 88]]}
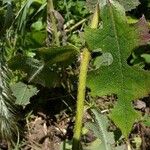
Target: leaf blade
{"points": [[24, 94], [129, 83]]}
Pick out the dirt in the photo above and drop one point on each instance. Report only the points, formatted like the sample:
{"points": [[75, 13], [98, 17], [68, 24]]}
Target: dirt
{"points": [[46, 134], [50, 121]]}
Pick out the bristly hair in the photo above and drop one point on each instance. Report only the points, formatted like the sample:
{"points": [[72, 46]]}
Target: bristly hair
{"points": [[8, 109]]}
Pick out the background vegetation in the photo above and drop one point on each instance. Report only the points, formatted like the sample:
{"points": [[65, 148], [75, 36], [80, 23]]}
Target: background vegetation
{"points": [[45, 46]]}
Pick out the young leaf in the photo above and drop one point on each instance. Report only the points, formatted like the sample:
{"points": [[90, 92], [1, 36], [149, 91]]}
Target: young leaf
{"points": [[129, 83], [23, 93]]}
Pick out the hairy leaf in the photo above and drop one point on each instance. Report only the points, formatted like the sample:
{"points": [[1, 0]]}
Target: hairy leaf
{"points": [[128, 4], [146, 57], [99, 127], [23, 93], [129, 83], [53, 55]]}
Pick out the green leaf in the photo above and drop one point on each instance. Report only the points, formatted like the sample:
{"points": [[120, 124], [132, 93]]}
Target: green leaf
{"points": [[105, 59], [95, 145], [99, 127], [23, 13], [128, 82], [37, 72], [37, 26], [127, 4], [146, 120], [7, 1], [58, 54], [146, 57], [23, 93], [38, 37]]}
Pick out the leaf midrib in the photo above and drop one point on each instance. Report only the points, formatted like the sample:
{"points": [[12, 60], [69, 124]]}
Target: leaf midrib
{"points": [[118, 45], [119, 53]]}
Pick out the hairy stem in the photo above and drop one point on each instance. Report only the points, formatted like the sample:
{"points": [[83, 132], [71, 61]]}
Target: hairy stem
{"points": [[80, 98], [50, 11]]}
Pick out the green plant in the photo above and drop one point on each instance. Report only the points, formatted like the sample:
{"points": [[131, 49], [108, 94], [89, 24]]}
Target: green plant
{"points": [[8, 110], [38, 51], [118, 77], [80, 98]]}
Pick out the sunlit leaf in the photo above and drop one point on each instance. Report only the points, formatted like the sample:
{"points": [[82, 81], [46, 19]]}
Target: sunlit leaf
{"points": [[128, 82]]}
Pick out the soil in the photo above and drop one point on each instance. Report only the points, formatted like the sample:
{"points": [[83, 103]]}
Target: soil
{"points": [[50, 120]]}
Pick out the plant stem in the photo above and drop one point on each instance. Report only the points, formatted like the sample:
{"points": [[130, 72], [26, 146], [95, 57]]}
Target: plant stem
{"points": [[80, 98], [76, 25], [50, 11]]}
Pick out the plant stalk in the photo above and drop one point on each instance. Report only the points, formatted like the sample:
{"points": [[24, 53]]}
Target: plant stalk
{"points": [[50, 11], [80, 98], [76, 25]]}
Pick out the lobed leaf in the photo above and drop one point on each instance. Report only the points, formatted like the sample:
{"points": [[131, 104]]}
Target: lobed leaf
{"points": [[128, 82]]}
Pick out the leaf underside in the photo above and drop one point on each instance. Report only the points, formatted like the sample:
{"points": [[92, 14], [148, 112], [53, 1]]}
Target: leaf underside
{"points": [[129, 83]]}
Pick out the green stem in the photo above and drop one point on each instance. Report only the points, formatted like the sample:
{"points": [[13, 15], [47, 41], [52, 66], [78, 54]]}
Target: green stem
{"points": [[76, 25], [50, 10], [80, 98]]}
